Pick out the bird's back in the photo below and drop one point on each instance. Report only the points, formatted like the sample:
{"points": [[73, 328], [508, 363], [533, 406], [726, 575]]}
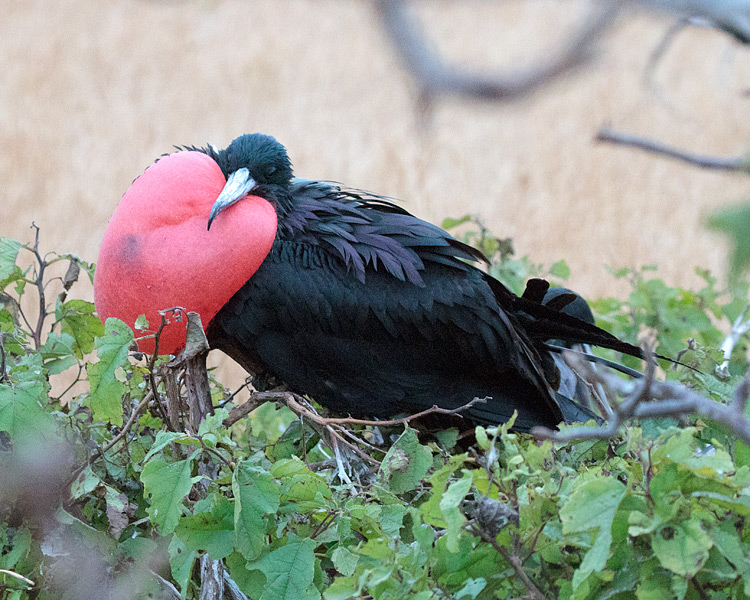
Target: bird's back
{"points": [[374, 312]]}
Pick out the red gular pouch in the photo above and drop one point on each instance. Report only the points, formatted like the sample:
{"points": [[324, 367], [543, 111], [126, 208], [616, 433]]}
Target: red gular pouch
{"points": [[157, 252]]}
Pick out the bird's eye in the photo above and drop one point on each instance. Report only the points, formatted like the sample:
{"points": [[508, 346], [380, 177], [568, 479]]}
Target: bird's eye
{"points": [[270, 171]]}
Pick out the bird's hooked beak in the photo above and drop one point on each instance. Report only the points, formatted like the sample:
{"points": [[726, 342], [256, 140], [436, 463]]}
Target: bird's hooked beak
{"points": [[239, 184]]}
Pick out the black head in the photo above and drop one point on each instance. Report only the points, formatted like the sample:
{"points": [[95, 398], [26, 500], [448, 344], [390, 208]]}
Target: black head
{"points": [[264, 157]]}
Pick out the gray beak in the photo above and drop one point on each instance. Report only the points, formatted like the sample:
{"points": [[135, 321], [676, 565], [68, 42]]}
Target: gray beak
{"points": [[239, 184]]}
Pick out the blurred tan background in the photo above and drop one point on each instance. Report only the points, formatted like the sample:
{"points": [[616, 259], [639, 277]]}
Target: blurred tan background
{"points": [[92, 92]]}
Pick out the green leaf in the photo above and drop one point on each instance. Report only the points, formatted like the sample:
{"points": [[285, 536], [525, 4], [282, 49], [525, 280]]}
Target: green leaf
{"points": [[141, 323], [682, 547], [450, 223], [289, 572], [181, 561], [77, 318], [734, 221], [591, 508], [85, 483], [391, 519], [212, 530], [450, 505], [343, 588], [166, 485], [256, 494], [305, 492], [560, 270], [471, 588], [344, 560], [21, 413], [405, 464], [20, 548], [105, 398], [430, 510], [164, 438], [8, 254], [727, 542]]}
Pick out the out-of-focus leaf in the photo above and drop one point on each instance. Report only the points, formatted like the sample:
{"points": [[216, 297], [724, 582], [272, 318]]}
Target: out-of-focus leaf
{"points": [[734, 221], [21, 413]]}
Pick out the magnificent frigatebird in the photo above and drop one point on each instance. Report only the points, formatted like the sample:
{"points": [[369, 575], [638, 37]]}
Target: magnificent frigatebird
{"points": [[340, 294]]}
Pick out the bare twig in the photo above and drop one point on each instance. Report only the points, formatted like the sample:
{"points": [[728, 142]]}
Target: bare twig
{"points": [[17, 576], [37, 333], [434, 410], [255, 400], [648, 398], [71, 385], [193, 361], [739, 328], [514, 561], [737, 164], [435, 76], [193, 357], [658, 53], [129, 424], [233, 395]]}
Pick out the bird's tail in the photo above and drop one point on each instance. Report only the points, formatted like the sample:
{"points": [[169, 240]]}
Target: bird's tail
{"points": [[548, 321], [573, 412]]}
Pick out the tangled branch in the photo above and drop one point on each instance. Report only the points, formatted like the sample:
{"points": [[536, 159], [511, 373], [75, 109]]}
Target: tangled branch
{"points": [[648, 398]]}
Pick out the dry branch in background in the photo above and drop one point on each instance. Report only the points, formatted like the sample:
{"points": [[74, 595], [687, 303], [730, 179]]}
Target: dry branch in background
{"points": [[435, 76], [731, 16], [739, 164]]}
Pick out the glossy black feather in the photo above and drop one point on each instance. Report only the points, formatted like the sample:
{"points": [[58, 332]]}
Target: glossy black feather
{"points": [[375, 312]]}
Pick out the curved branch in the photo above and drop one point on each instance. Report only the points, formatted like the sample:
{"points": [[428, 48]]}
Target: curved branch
{"points": [[434, 76], [730, 16], [737, 164]]}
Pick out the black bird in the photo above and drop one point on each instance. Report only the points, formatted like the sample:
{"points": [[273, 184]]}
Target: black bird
{"points": [[366, 308]]}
